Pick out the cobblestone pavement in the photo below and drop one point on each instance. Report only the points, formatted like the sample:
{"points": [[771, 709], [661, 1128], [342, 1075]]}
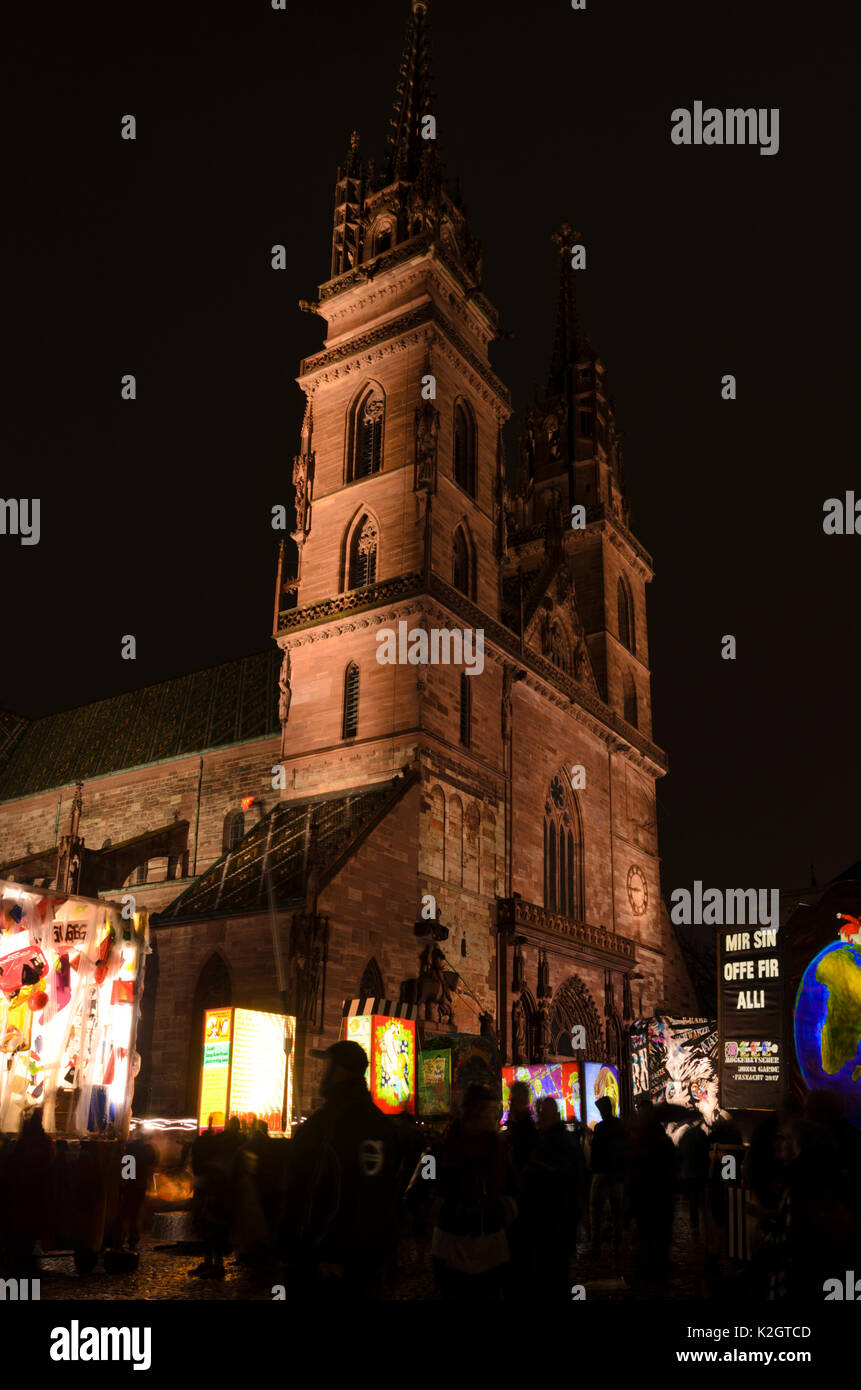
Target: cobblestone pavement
{"points": [[164, 1273]]}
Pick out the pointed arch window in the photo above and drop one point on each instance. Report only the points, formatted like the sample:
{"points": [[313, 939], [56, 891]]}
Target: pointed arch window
{"points": [[629, 709], [351, 701], [461, 567], [563, 852], [465, 709], [464, 447], [371, 984], [362, 568], [232, 830], [366, 434], [625, 609]]}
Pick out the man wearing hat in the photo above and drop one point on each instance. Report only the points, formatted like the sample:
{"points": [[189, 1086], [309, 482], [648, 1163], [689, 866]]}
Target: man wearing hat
{"points": [[342, 1197]]}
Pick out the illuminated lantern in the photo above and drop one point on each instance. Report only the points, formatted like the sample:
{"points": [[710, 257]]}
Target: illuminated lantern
{"points": [[559, 1080], [247, 1066], [390, 1044], [600, 1080]]}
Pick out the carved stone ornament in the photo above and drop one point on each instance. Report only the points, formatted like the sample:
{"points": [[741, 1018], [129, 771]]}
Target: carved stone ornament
{"points": [[427, 435]]}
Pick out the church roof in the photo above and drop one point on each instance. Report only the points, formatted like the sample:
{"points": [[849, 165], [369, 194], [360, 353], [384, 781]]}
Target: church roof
{"points": [[11, 728], [269, 867], [203, 709]]}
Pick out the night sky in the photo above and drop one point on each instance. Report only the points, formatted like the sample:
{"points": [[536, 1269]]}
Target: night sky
{"points": [[153, 257]]}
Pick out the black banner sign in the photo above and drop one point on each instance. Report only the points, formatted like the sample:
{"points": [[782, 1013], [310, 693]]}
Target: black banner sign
{"points": [[750, 1008]]}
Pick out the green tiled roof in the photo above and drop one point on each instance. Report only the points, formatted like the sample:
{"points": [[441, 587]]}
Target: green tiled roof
{"points": [[11, 728], [205, 709]]}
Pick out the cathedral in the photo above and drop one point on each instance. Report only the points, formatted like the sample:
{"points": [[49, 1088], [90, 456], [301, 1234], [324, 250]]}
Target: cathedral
{"points": [[311, 825]]}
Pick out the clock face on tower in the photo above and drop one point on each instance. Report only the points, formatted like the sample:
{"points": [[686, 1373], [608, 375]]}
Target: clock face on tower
{"points": [[638, 892]]}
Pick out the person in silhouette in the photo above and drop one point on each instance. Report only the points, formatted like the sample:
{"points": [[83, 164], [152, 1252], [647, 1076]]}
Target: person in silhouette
{"points": [[343, 1189], [477, 1187], [693, 1154], [551, 1185], [652, 1171], [607, 1166]]}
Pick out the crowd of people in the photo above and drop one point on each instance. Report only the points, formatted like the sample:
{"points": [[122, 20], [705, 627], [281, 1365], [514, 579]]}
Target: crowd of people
{"points": [[58, 1193], [533, 1209]]}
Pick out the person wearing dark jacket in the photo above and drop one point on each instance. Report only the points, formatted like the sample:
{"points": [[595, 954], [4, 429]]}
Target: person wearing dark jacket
{"points": [[551, 1186], [607, 1165], [653, 1162], [477, 1184], [521, 1134], [342, 1198], [693, 1154]]}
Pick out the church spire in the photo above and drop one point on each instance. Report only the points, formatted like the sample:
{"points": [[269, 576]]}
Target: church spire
{"points": [[414, 100], [566, 343]]}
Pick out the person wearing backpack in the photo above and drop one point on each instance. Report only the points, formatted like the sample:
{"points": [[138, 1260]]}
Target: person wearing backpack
{"points": [[343, 1193]]}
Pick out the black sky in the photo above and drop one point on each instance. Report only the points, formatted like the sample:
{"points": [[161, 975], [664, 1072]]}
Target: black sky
{"points": [[153, 258]]}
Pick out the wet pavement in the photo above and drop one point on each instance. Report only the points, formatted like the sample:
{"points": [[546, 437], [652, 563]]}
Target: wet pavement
{"points": [[164, 1273]]}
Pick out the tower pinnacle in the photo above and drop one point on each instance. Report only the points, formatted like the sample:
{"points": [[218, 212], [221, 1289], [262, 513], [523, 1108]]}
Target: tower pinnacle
{"points": [[566, 343], [414, 99]]}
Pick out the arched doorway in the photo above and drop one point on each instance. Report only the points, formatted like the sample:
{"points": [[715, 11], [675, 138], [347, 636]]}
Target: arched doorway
{"points": [[214, 990]]}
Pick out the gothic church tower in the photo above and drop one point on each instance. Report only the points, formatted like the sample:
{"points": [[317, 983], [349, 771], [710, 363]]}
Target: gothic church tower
{"points": [[548, 893]]}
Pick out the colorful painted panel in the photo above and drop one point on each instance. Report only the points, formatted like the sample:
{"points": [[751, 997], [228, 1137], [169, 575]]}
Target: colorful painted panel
{"points": [[561, 1080], [474, 1060], [393, 1064], [600, 1080], [258, 1070], [674, 1060], [216, 1068], [435, 1083]]}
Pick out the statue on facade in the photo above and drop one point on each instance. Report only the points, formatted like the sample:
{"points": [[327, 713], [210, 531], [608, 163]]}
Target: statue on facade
{"points": [[544, 989], [285, 695], [517, 980], [518, 1033], [433, 988], [427, 433], [581, 660], [545, 1032]]}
